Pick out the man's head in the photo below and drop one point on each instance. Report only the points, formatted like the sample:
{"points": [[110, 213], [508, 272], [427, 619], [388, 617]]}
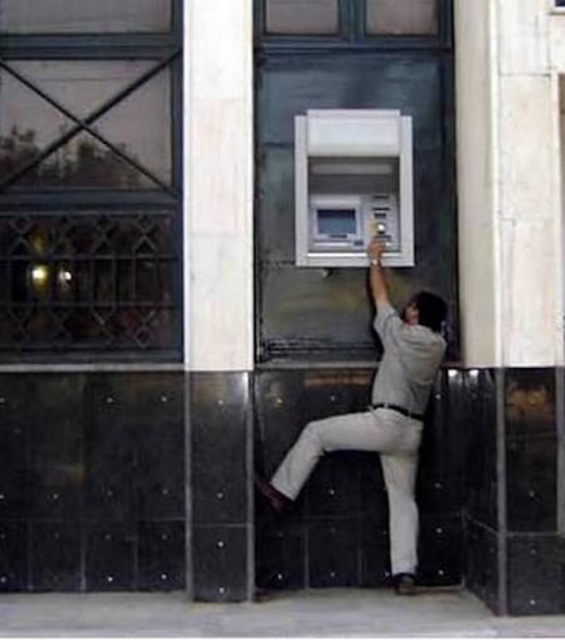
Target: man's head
{"points": [[427, 309]]}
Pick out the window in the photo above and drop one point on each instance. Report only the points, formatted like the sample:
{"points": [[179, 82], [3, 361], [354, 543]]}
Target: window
{"points": [[409, 17], [80, 16], [90, 194], [351, 21], [302, 17], [33, 130]]}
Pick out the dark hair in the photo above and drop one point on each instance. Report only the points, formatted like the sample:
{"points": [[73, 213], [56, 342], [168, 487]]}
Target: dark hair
{"points": [[432, 310]]}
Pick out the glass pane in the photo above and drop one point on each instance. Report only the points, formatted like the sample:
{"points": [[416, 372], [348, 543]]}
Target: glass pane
{"points": [[402, 17], [139, 125], [81, 85], [27, 125], [306, 17], [80, 16], [85, 163]]}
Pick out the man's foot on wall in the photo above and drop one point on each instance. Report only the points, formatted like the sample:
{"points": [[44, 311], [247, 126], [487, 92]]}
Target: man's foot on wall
{"points": [[278, 501], [405, 584]]}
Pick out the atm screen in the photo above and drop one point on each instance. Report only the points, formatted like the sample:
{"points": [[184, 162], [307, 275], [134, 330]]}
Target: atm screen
{"points": [[337, 222]]}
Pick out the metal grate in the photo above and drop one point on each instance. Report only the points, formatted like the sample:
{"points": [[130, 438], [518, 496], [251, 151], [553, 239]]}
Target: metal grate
{"points": [[88, 282]]}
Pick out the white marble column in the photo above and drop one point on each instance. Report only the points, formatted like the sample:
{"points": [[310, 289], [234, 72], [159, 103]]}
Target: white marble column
{"points": [[511, 247], [218, 185]]}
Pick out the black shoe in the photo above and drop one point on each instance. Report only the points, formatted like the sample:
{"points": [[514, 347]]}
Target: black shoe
{"points": [[276, 500], [405, 584]]}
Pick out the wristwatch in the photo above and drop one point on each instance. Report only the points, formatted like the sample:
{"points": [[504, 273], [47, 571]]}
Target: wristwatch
{"points": [[375, 262]]}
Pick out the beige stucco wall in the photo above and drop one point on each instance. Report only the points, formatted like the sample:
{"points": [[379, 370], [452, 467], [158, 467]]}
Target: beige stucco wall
{"points": [[219, 185], [513, 110]]}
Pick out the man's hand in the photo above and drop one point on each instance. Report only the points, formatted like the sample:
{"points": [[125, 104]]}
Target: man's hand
{"points": [[375, 249]]}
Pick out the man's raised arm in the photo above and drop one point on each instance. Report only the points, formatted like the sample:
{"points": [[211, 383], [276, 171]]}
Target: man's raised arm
{"points": [[379, 288]]}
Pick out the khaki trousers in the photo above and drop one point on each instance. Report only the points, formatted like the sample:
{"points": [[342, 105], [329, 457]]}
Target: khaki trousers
{"points": [[396, 438]]}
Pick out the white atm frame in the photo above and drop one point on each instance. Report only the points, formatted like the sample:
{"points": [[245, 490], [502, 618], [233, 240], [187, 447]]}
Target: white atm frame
{"points": [[359, 133]]}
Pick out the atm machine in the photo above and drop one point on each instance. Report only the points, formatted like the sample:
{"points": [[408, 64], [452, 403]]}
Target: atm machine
{"points": [[354, 181]]}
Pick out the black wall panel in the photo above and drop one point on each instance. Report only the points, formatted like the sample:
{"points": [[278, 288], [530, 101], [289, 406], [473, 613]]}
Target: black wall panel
{"points": [[332, 553], [56, 552], [315, 314], [220, 419], [287, 400], [220, 563], [481, 563], [479, 422], [535, 575], [337, 531], [280, 554], [91, 466], [14, 555], [110, 557], [441, 547], [374, 550], [161, 556], [531, 449], [135, 453], [57, 418]]}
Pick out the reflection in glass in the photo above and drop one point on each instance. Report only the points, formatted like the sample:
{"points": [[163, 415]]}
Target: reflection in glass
{"points": [[87, 281], [84, 163], [81, 85], [80, 16], [139, 126], [302, 17], [402, 17], [27, 124]]}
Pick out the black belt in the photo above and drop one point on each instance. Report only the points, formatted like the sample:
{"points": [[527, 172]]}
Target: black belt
{"points": [[402, 410]]}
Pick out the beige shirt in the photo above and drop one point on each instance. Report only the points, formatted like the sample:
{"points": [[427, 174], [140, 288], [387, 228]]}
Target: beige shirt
{"points": [[411, 359]]}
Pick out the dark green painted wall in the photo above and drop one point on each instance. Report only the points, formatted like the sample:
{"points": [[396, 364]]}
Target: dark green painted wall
{"points": [[312, 314]]}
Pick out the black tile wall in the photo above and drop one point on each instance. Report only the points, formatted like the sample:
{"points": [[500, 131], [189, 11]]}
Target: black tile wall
{"points": [[92, 485], [15, 427], [162, 548], [477, 416], [441, 466], [281, 558], [110, 557], [14, 555], [109, 456], [535, 575], [221, 514], [219, 556], [481, 563], [332, 554], [220, 406], [55, 557], [159, 480], [374, 551], [441, 549], [530, 402], [135, 452], [287, 400], [333, 489], [531, 483], [343, 516], [531, 449], [57, 417], [90, 466]]}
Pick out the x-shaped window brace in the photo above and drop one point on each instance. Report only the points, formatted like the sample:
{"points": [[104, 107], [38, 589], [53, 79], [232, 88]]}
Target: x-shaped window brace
{"points": [[85, 124]]}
